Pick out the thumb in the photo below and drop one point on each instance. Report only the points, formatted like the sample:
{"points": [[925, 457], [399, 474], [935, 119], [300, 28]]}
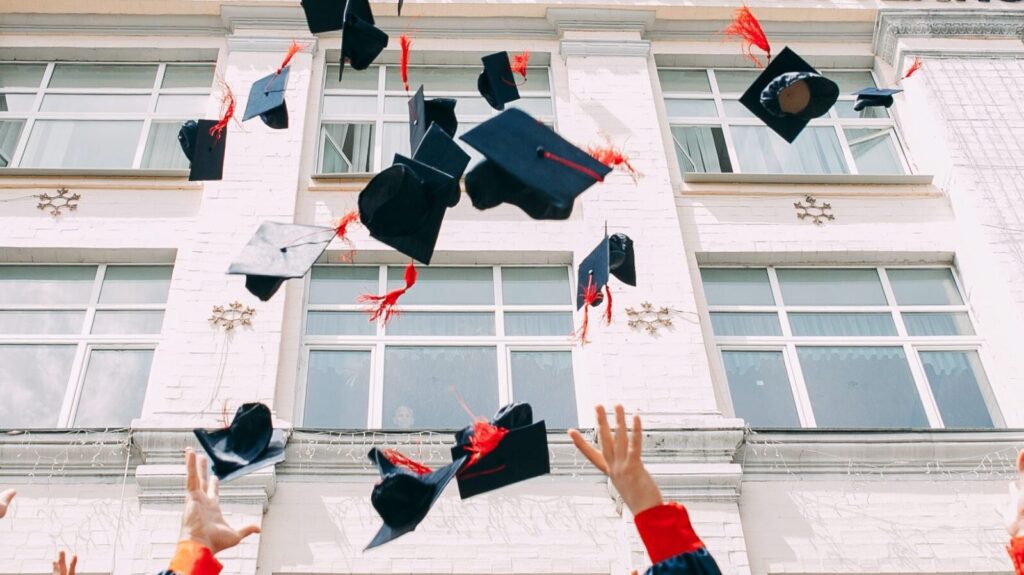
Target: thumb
{"points": [[247, 531]]}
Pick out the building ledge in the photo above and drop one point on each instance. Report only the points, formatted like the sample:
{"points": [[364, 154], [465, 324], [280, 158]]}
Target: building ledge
{"points": [[66, 453], [829, 179], [45, 178]]}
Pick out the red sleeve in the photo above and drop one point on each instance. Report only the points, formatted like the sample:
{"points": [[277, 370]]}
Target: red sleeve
{"points": [[191, 558], [1016, 551], [667, 532]]}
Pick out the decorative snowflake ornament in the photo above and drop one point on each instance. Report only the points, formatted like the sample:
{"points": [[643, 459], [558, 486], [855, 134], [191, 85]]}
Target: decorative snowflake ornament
{"points": [[232, 316], [62, 201], [818, 213]]}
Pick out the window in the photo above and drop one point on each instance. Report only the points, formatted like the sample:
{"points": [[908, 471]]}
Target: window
{"points": [[889, 348], [98, 116], [485, 336], [76, 342], [365, 118], [713, 132]]}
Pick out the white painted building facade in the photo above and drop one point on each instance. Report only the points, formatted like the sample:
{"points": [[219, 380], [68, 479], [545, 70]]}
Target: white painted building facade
{"points": [[833, 398]]}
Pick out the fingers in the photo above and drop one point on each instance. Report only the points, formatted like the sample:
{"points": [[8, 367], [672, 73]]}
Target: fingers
{"points": [[213, 490], [6, 497], [588, 451], [604, 436], [74, 563], [203, 471], [59, 566], [247, 531], [1020, 466], [636, 441], [621, 437], [191, 477]]}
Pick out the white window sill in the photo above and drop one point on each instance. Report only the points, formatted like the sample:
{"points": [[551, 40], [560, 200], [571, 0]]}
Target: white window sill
{"points": [[90, 173], [860, 179]]}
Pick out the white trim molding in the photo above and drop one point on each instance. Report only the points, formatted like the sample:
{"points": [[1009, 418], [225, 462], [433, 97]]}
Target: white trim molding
{"points": [[895, 24]]}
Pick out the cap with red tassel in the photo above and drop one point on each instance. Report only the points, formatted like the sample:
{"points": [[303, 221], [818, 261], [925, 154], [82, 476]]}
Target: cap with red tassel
{"points": [[591, 295], [746, 27], [386, 306]]}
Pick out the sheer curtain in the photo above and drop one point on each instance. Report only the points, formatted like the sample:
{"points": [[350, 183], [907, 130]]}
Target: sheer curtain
{"points": [[347, 148], [842, 324], [701, 149], [9, 133], [760, 388], [82, 144], [815, 151], [544, 380], [746, 324], [337, 389], [163, 152], [956, 379]]}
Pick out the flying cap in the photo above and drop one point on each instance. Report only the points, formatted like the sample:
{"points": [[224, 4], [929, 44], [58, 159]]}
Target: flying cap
{"points": [[528, 165], [508, 449], [438, 150], [872, 97], [361, 41], [248, 444], [266, 100], [278, 252], [496, 83], [205, 152], [423, 113], [788, 93], [324, 15]]}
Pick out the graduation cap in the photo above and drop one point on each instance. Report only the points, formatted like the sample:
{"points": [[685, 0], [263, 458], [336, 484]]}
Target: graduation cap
{"points": [[528, 165], [278, 252], [496, 83], [508, 449], [406, 492], [788, 94], [248, 444], [361, 41], [324, 15], [613, 256], [438, 150], [266, 100], [205, 151], [423, 113], [403, 207], [873, 97]]}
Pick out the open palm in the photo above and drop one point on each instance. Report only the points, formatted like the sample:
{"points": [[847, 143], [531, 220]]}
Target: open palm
{"points": [[5, 501], [202, 520]]}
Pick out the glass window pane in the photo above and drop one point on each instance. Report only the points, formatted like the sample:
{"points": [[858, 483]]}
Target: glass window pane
{"points": [[735, 81], [439, 79], [46, 284], [342, 284], [21, 75], [446, 286], [354, 79], [10, 132], [533, 106], [136, 284], [535, 286], [103, 76], [347, 148], [72, 144], [842, 324], [337, 106], [127, 322], [924, 286], [337, 390], [475, 157], [701, 149], [874, 150], [938, 323], [760, 389], [830, 287], [396, 141], [745, 324], [189, 76], [339, 323], [684, 81], [163, 152], [539, 323], [762, 151], [734, 109], [850, 82], [956, 379], [182, 104], [845, 110], [41, 322], [89, 103], [34, 379], [737, 286], [17, 102], [422, 386], [544, 380], [691, 108], [442, 324], [115, 386], [861, 387], [464, 106]]}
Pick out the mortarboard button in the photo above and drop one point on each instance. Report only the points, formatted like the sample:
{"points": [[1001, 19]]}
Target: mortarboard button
{"points": [[204, 151], [496, 83], [278, 252], [423, 113], [788, 93], [528, 165], [248, 444], [873, 97], [438, 150], [521, 454], [324, 15], [266, 100], [361, 41]]}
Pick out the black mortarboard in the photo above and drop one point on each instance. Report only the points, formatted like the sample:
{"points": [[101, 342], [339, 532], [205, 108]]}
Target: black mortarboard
{"points": [[869, 97], [789, 93], [423, 113], [403, 207], [324, 15], [205, 152], [361, 41], [248, 444], [404, 496], [528, 165], [278, 252], [266, 100], [438, 150], [520, 455], [622, 258], [496, 83]]}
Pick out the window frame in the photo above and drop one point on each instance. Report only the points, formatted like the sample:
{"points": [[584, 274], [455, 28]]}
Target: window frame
{"points": [[147, 117], [912, 346], [377, 343], [85, 342], [726, 123]]}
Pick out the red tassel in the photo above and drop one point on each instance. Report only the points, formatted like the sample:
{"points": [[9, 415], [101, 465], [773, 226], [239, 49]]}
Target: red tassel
{"points": [[404, 62], [386, 306], [229, 112], [590, 295], [399, 459], [608, 305], [294, 49], [747, 28], [519, 64], [614, 158], [914, 67], [341, 231], [485, 439], [571, 164]]}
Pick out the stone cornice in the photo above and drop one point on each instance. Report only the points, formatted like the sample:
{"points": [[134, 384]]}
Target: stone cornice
{"points": [[111, 25], [781, 33], [67, 453], [607, 48], [895, 24], [565, 19]]}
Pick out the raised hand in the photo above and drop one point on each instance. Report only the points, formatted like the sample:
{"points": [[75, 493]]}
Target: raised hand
{"points": [[61, 568], [1015, 513], [5, 501], [619, 459], [202, 520]]}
